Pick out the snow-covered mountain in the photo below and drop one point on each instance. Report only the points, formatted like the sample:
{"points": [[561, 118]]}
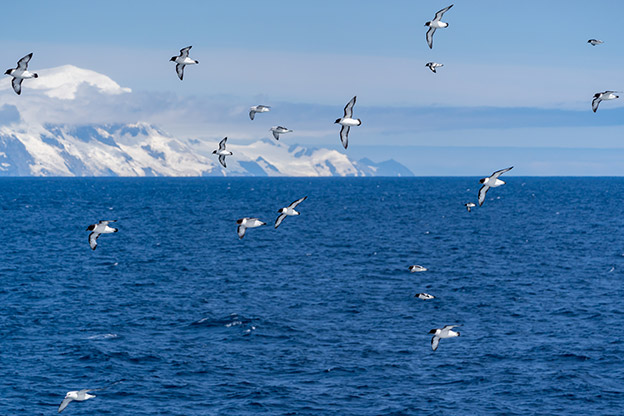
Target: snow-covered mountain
{"points": [[38, 138]]}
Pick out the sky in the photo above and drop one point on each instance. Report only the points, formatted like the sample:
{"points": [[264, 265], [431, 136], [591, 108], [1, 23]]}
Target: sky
{"points": [[516, 87]]}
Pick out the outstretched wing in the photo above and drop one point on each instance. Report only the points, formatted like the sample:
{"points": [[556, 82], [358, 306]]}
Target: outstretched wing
{"points": [[106, 222], [297, 202], [222, 143], [64, 404], [241, 231], [482, 193], [276, 135], [222, 160], [498, 173], [348, 110], [184, 52], [430, 33], [439, 14], [434, 343], [279, 220], [344, 136], [23, 63], [252, 113], [595, 102], [180, 71], [93, 240], [449, 327], [17, 85]]}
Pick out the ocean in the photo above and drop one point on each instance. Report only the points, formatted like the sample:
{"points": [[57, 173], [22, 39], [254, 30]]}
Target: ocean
{"points": [[319, 316]]}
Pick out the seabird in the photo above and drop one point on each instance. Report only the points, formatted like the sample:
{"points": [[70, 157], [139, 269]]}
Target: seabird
{"points": [[347, 121], [442, 333], [20, 73], [277, 130], [436, 24], [222, 152], [424, 296], [78, 395], [433, 65], [97, 229], [594, 42], [288, 211], [469, 205], [603, 96], [258, 109], [491, 182], [245, 223], [416, 268], [182, 60]]}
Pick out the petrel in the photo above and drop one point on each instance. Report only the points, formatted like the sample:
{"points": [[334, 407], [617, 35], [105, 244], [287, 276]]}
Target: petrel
{"points": [[347, 121], [433, 65], [20, 73], [277, 130], [436, 24], [416, 268], [491, 182], [222, 152], [442, 333], [603, 96], [258, 109], [245, 223], [469, 205], [424, 296], [97, 229], [78, 395], [594, 42], [288, 211], [182, 60]]}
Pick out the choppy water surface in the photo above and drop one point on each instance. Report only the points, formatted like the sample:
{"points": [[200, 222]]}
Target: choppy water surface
{"points": [[318, 316]]}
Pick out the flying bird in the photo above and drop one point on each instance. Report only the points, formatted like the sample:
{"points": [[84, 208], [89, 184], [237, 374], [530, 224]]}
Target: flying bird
{"points": [[245, 223], [258, 109], [469, 205], [491, 182], [277, 130], [347, 121], [433, 65], [424, 296], [222, 152], [436, 24], [20, 73], [78, 395], [97, 229], [594, 42], [603, 96], [416, 268], [442, 333], [288, 211], [182, 60]]}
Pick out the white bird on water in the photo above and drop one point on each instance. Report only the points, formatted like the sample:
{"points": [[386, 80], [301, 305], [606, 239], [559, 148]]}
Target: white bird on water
{"points": [[416, 268], [222, 152], [97, 229], [247, 222], [603, 96], [436, 24], [182, 60], [258, 109], [20, 73], [288, 211], [347, 121], [424, 296], [440, 333], [491, 182]]}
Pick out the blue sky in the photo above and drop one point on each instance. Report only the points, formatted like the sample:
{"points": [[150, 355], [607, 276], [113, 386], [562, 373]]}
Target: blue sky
{"points": [[516, 75]]}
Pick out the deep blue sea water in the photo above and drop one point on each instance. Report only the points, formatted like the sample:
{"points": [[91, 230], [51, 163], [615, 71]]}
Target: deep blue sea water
{"points": [[317, 317]]}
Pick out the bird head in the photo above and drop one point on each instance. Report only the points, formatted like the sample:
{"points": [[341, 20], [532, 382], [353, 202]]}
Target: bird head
{"points": [[482, 180], [90, 228], [427, 23], [433, 331], [280, 210], [214, 152], [173, 58], [337, 120], [239, 221], [8, 72]]}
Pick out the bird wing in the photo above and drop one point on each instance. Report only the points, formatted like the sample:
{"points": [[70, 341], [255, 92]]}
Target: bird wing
{"points": [[252, 113], [180, 71], [106, 222], [449, 327], [439, 14], [23, 63], [344, 136], [297, 202], [222, 143], [264, 107], [279, 219], [430, 33], [64, 404], [348, 110], [241, 231], [482, 193], [184, 52], [17, 85], [595, 102], [275, 134], [222, 160], [434, 343], [93, 240], [498, 173]]}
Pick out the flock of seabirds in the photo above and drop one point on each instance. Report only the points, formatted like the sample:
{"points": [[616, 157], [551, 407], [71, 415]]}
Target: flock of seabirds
{"points": [[347, 121]]}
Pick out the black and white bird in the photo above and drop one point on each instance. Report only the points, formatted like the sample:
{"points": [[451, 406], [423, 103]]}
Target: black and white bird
{"points": [[97, 229], [222, 152], [491, 182], [594, 42], [347, 121], [469, 205], [442, 333], [603, 96], [416, 268], [78, 395], [20, 73], [288, 211], [433, 65], [424, 296], [182, 60], [277, 130], [258, 109], [245, 223], [436, 24]]}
